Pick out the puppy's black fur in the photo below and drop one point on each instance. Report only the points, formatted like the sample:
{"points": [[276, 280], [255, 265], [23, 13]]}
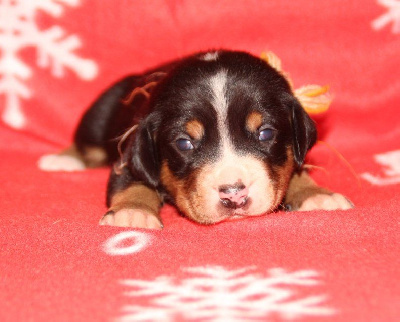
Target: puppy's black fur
{"points": [[256, 84], [191, 114]]}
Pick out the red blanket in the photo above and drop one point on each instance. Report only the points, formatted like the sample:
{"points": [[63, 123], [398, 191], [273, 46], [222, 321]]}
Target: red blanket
{"points": [[57, 264]]}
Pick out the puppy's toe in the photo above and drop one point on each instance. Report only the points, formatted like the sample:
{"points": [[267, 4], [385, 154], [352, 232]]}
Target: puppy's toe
{"points": [[55, 162], [326, 202], [135, 218]]}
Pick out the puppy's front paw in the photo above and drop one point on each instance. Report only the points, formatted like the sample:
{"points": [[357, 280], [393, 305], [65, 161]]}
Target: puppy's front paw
{"points": [[326, 202], [136, 218]]}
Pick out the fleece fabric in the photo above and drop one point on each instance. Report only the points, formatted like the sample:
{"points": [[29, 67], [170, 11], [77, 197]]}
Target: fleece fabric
{"points": [[57, 264]]}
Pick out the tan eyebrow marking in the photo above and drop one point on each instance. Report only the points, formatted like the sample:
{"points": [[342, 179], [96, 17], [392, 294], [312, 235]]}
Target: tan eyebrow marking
{"points": [[254, 121], [195, 129]]}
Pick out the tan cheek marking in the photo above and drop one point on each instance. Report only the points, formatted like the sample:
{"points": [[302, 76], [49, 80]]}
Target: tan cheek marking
{"points": [[195, 129], [176, 188], [185, 194], [254, 121], [137, 196], [285, 173]]}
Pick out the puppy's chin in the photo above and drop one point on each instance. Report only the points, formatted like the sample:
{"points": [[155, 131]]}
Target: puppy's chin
{"points": [[219, 214]]}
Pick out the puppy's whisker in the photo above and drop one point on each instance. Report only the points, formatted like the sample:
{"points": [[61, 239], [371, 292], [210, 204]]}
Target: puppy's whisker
{"points": [[312, 166], [122, 139], [343, 159]]}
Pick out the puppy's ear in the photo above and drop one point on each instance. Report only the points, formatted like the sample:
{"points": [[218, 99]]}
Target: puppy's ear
{"points": [[303, 129], [142, 154]]}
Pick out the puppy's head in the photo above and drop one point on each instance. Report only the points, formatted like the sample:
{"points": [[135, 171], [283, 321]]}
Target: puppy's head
{"points": [[224, 137]]}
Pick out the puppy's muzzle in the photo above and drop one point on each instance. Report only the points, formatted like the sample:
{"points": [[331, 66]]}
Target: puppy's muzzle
{"points": [[233, 196]]}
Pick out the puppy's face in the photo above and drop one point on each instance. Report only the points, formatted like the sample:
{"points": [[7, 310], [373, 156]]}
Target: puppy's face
{"points": [[225, 136]]}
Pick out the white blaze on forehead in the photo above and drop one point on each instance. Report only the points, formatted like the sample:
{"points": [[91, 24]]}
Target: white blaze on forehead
{"points": [[218, 87], [211, 56], [218, 84]]}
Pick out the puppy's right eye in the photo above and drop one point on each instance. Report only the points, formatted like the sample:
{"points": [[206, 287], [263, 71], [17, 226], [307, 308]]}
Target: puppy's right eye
{"points": [[266, 135], [184, 144]]}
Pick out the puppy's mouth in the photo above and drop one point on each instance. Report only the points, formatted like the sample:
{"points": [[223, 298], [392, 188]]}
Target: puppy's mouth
{"points": [[236, 216], [226, 215]]}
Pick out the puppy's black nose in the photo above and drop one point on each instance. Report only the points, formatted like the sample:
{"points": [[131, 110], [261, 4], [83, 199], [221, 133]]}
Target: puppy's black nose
{"points": [[233, 196]]}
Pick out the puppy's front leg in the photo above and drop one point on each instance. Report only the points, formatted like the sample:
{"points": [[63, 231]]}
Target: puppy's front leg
{"points": [[134, 206], [304, 194]]}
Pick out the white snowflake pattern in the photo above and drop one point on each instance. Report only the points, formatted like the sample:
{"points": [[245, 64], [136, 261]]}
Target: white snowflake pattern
{"points": [[391, 16], [55, 50], [217, 294], [390, 166]]}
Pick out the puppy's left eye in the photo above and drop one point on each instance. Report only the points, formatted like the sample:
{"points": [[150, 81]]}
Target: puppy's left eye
{"points": [[266, 135], [184, 144]]}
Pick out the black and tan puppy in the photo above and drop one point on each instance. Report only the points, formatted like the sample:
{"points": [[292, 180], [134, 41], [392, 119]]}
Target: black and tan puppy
{"points": [[219, 134]]}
